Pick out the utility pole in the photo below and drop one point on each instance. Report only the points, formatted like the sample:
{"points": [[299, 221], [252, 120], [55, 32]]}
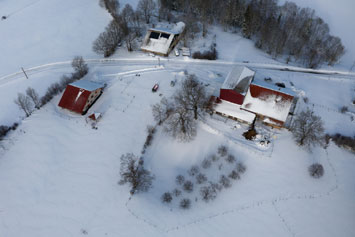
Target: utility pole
{"points": [[24, 72], [159, 61]]}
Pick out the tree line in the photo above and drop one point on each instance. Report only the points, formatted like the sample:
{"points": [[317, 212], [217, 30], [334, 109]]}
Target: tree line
{"points": [[286, 31]]}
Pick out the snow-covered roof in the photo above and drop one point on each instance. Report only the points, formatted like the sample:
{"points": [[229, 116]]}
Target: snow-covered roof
{"points": [[239, 78], [273, 87], [233, 110], [87, 85], [270, 105], [161, 44], [177, 29]]}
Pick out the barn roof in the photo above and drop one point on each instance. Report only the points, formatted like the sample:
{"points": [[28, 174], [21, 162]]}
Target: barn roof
{"points": [[269, 102], [274, 87], [233, 110], [87, 85], [238, 79]]}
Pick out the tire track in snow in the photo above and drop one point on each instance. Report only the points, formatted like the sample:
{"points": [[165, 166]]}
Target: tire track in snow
{"points": [[253, 205]]}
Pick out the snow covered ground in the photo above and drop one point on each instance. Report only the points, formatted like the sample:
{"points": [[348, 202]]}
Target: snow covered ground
{"points": [[43, 31], [58, 176]]}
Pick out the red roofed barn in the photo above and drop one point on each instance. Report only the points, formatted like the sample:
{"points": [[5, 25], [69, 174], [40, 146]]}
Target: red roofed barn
{"points": [[272, 104], [236, 85], [80, 96]]}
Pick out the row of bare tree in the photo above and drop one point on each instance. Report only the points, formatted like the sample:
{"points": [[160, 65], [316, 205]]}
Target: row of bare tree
{"points": [[286, 31]]}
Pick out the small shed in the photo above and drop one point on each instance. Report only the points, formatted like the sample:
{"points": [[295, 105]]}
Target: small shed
{"points": [[80, 96], [271, 104], [161, 41], [95, 116], [236, 85]]}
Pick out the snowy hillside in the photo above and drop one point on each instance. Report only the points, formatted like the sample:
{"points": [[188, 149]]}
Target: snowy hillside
{"points": [[59, 175], [36, 32]]}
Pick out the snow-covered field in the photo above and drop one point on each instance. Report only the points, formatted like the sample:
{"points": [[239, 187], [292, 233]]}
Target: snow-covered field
{"points": [[58, 176]]}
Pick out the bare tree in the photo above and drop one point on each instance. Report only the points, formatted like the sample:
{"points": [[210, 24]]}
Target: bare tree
{"points": [[108, 40], [161, 111], [192, 96], [188, 186], [147, 8], [185, 203], [132, 171], [166, 197], [181, 124], [308, 129], [33, 95], [208, 193], [180, 179], [80, 67], [112, 6], [24, 103]]}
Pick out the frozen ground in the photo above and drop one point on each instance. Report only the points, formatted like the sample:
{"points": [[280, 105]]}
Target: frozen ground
{"points": [[43, 31], [58, 176]]}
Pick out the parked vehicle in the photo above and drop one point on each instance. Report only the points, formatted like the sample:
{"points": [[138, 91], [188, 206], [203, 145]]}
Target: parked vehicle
{"points": [[177, 52], [155, 88], [186, 51]]}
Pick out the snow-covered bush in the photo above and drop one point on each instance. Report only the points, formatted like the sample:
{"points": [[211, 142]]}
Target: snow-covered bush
{"points": [[208, 54], [194, 170], [185, 203], [234, 175], [188, 186], [344, 109], [343, 141], [241, 168], [148, 141], [201, 178], [230, 158], [166, 197], [208, 193], [176, 192], [216, 186], [206, 163], [180, 179], [214, 157], [316, 170], [225, 182], [222, 150], [4, 130]]}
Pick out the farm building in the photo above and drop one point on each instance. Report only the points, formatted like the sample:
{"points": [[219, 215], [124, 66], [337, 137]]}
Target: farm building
{"points": [[80, 96], [242, 98], [236, 85], [270, 103], [161, 41]]}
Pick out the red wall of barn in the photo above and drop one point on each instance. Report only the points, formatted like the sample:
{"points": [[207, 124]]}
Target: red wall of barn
{"points": [[231, 96], [258, 91], [68, 99]]}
